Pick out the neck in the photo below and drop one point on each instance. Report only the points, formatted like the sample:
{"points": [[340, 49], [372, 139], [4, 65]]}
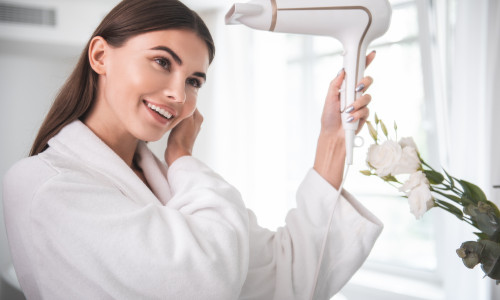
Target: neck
{"points": [[104, 123], [118, 139], [122, 144]]}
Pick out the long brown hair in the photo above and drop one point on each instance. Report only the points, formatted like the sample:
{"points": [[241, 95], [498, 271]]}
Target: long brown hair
{"points": [[127, 19]]}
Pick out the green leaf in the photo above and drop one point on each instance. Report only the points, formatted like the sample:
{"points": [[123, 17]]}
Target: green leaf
{"points": [[450, 178], [454, 198], [451, 208], [366, 172], [384, 129], [466, 200], [471, 210], [451, 197], [483, 216], [372, 130], [481, 235], [472, 191], [490, 258], [395, 126], [390, 178], [494, 208], [489, 224], [376, 119], [434, 177]]}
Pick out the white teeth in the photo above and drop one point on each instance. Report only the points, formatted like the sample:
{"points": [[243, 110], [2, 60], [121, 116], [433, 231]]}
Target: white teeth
{"points": [[160, 110]]}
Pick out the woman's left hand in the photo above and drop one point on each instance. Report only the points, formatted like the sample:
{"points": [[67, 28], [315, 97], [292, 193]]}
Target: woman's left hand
{"points": [[330, 151], [331, 120]]}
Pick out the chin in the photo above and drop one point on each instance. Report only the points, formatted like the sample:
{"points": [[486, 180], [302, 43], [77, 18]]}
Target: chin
{"points": [[149, 135]]}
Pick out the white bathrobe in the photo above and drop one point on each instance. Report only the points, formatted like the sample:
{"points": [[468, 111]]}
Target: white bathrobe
{"points": [[82, 225]]}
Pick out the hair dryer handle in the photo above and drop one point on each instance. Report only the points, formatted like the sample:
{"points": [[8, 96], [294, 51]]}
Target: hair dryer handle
{"points": [[354, 66]]}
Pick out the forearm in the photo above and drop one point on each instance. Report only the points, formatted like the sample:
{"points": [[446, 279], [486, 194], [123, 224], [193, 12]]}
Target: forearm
{"points": [[330, 158]]}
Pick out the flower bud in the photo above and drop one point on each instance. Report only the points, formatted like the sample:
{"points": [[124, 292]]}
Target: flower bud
{"points": [[471, 260], [468, 252]]}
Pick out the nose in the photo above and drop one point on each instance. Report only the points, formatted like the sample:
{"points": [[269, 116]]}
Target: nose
{"points": [[175, 89]]}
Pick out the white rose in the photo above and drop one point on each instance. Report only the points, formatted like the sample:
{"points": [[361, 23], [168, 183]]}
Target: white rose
{"points": [[384, 157], [408, 163], [420, 200], [408, 142], [416, 179]]}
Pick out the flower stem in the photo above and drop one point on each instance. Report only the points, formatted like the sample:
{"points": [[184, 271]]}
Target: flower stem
{"points": [[445, 195], [461, 217], [427, 165], [450, 186]]}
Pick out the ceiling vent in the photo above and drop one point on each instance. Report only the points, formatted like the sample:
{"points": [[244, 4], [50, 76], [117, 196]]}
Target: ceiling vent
{"points": [[14, 13]]}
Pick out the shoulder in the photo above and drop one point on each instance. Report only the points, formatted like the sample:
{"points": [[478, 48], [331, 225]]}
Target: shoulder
{"points": [[28, 172], [22, 181], [40, 168], [27, 176]]}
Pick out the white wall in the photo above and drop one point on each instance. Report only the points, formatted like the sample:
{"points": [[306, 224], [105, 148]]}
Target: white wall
{"points": [[34, 63], [28, 83]]}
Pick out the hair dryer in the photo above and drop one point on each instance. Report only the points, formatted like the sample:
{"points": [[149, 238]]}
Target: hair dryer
{"points": [[355, 23]]}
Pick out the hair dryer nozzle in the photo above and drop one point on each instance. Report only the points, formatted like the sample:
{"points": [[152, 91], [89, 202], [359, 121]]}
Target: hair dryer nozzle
{"points": [[241, 9]]}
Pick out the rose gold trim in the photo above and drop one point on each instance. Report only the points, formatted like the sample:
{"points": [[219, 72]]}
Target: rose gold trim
{"points": [[370, 17], [275, 15]]}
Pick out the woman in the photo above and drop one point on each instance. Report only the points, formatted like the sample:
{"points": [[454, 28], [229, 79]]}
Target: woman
{"points": [[93, 214]]}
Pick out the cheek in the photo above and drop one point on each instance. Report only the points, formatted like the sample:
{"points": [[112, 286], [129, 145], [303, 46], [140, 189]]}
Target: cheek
{"points": [[132, 78], [140, 80]]}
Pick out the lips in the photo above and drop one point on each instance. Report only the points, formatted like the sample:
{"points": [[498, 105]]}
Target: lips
{"points": [[159, 110]]}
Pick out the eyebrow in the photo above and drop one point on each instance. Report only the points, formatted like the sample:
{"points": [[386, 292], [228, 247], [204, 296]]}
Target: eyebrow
{"points": [[166, 49], [178, 59], [202, 75]]}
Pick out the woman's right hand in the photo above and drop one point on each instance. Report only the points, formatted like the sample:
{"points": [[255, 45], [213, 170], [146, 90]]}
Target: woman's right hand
{"points": [[182, 137]]}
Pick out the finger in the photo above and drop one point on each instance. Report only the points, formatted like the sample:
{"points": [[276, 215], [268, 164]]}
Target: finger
{"points": [[359, 104], [361, 124], [361, 115], [196, 113], [370, 57], [336, 83], [364, 84], [198, 117]]}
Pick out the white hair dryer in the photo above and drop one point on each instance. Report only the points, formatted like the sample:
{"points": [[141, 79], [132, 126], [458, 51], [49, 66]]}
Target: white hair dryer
{"points": [[355, 23]]}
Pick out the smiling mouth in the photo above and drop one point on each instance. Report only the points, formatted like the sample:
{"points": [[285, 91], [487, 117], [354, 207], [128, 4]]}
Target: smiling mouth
{"points": [[160, 111]]}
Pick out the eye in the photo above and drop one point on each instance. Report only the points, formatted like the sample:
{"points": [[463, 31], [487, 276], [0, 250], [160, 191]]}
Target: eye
{"points": [[163, 62], [194, 82]]}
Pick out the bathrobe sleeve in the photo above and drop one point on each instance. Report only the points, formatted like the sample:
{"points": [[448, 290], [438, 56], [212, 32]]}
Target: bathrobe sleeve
{"points": [[88, 240], [283, 263]]}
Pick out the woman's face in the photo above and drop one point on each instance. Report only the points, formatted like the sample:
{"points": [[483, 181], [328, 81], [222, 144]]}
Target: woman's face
{"points": [[151, 83]]}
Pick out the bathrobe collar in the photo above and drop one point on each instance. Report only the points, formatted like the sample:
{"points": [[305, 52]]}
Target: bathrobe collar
{"points": [[77, 142]]}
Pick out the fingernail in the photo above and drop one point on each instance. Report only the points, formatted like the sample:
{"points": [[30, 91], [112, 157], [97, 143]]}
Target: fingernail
{"points": [[360, 87], [349, 109], [349, 120], [340, 72]]}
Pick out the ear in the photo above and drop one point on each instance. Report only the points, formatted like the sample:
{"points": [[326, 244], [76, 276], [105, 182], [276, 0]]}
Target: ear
{"points": [[97, 54]]}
